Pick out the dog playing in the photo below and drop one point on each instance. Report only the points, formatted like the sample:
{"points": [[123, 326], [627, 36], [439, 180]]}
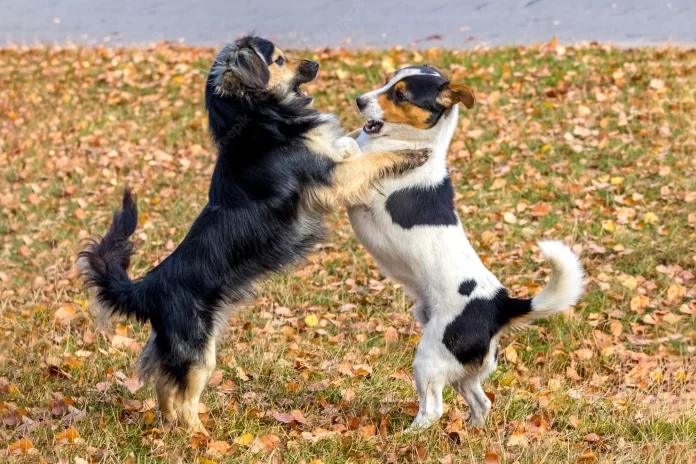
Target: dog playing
{"points": [[412, 230], [280, 167]]}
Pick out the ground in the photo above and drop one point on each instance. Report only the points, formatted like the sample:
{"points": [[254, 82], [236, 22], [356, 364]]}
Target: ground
{"points": [[591, 145]]}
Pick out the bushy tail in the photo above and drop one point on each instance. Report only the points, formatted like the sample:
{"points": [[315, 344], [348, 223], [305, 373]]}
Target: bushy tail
{"points": [[561, 292], [104, 264]]}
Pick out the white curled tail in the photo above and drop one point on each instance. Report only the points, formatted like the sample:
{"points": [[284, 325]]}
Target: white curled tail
{"points": [[563, 289]]}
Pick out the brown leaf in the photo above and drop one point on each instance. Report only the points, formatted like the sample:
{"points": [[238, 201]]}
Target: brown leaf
{"points": [[64, 314], [492, 457], [283, 417], [266, 443], [511, 354], [215, 378], [219, 446], [584, 354], [391, 335], [616, 327], [587, 456], [401, 375], [517, 439], [368, 431], [133, 385]]}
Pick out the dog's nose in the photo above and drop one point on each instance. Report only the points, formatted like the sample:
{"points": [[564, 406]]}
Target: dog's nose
{"points": [[361, 103], [313, 65]]}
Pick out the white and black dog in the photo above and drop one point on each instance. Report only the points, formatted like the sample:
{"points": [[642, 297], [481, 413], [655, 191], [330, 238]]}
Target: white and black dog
{"points": [[412, 230]]}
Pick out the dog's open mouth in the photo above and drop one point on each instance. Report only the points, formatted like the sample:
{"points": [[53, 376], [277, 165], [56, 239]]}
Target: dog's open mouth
{"points": [[373, 127], [299, 91]]}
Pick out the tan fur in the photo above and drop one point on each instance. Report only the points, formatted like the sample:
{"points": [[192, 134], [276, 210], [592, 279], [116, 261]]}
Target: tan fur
{"points": [[181, 406], [353, 178], [323, 139], [403, 112], [281, 76], [457, 93]]}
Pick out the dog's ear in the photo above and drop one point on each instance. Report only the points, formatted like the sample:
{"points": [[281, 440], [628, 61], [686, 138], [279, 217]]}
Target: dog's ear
{"points": [[451, 94], [245, 68]]}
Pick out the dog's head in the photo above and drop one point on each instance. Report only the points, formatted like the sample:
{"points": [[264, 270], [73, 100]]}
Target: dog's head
{"points": [[416, 96], [254, 66]]}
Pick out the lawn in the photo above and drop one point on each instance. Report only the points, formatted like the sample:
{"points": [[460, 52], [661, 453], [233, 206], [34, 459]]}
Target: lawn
{"points": [[592, 145]]}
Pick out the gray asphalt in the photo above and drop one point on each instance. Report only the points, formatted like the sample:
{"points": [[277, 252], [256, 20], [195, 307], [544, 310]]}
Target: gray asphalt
{"points": [[352, 23]]}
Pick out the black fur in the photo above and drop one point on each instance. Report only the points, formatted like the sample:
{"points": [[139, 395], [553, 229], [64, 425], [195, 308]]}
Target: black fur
{"points": [[466, 287], [468, 336], [254, 222], [423, 91], [108, 260], [418, 206]]}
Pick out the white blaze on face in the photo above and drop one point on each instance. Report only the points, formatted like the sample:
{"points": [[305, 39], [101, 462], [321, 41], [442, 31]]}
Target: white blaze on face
{"points": [[372, 110]]}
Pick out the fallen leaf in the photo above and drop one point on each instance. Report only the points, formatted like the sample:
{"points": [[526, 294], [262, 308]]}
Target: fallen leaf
{"points": [[391, 335], [587, 456], [511, 354], [368, 431], [492, 457], [133, 385], [64, 314], [219, 446]]}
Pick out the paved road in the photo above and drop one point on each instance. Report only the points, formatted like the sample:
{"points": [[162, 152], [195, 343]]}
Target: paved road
{"points": [[355, 23]]}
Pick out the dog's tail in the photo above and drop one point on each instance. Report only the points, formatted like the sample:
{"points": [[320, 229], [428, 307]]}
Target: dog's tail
{"points": [[561, 292], [104, 264]]}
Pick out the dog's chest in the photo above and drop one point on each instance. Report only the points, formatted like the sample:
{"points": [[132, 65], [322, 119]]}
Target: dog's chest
{"points": [[390, 225]]}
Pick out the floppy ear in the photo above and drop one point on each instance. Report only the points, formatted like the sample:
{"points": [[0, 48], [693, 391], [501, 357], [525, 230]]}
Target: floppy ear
{"points": [[451, 94], [245, 69]]}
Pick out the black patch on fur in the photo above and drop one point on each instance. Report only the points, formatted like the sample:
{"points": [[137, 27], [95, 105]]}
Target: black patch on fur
{"points": [[255, 223], [466, 287], [468, 336], [422, 91], [420, 206]]}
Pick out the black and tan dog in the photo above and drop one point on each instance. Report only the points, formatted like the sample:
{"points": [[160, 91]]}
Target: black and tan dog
{"points": [[280, 167]]}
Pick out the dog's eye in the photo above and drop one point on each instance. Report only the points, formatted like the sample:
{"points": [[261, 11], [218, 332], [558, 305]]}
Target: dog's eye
{"points": [[400, 96], [279, 61]]}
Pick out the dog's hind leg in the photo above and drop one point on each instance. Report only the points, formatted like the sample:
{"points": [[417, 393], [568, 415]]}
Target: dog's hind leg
{"points": [[479, 404], [430, 381], [167, 398], [190, 394]]}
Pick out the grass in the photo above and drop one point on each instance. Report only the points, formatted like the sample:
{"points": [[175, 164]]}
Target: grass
{"points": [[592, 145]]}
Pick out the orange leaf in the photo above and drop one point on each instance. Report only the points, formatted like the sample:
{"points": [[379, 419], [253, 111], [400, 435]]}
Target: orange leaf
{"points": [[22, 446], [492, 458], [587, 456], [368, 431], [219, 446]]}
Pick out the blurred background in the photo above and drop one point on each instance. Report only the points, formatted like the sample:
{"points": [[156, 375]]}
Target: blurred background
{"points": [[349, 23]]}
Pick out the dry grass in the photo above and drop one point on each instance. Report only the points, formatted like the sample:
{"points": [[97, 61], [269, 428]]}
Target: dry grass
{"points": [[592, 145]]}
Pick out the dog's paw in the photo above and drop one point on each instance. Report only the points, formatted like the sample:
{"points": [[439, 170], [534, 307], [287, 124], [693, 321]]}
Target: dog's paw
{"points": [[476, 423], [419, 424], [412, 159], [347, 147]]}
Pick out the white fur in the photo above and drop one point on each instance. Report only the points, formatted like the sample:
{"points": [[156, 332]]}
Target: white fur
{"points": [[432, 261]]}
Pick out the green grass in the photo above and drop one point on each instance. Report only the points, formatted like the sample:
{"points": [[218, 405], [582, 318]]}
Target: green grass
{"points": [[76, 125]]}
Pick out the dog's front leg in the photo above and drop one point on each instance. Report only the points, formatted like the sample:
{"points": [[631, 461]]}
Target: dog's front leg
{"points": [[347, 147], [350, 180]]}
